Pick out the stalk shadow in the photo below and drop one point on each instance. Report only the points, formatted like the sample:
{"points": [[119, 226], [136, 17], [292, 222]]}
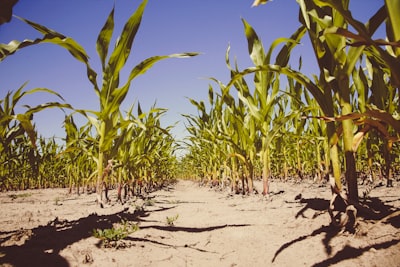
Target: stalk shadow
{"points": [[317, 204], [349, 252], [380, 210], [172, 228], [329, 232], [137, 239], [43, 245]]}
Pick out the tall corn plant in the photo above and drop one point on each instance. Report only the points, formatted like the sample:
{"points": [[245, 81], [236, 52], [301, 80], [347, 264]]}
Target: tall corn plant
{"points": [[327, 23], [336, 67], [262, 101], [111, 94], [337, 62], [379, 104], [237, 135]]}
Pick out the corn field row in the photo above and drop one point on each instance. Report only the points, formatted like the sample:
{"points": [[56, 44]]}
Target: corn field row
{"points": [[269, 120]]}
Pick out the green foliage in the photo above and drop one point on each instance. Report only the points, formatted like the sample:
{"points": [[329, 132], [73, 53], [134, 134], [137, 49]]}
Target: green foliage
{"points": [[116, 233], [354, 98], [105, 136], [149, 202], [107, 121], [23, 155], [57, 201], [172, 219]]}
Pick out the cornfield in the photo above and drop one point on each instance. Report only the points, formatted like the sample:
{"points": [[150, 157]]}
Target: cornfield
{"points": [[268, 122]]}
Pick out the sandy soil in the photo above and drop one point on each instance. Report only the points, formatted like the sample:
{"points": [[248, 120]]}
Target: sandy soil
{"points": [[207, 227]]}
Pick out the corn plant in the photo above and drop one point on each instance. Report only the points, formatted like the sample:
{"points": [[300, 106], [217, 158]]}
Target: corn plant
{"points": [[234, 133], [261, 103], [222, 139], [327, 23], [111, 95], [338, 63], [18, 137], [51, 167], [247, 127], [77, 155], [202, 141]]}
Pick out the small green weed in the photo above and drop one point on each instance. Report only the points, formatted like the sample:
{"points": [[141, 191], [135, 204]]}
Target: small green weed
{"points": [[138, 207], [57, 201], [149, 202], [171, 220], [111, 236]]}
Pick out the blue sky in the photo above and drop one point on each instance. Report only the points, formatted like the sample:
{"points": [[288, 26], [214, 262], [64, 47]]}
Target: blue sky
{"points": [[168, 26]]}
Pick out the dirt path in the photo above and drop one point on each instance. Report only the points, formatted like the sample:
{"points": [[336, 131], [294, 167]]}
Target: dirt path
{"points": [[52, 228]]}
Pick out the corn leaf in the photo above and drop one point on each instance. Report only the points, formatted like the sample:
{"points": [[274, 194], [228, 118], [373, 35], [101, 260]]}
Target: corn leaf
{"points": [[103, 40], [123, 47]]}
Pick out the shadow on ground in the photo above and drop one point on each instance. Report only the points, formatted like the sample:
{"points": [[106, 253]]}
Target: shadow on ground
{"points": [[44, 243], [377, 210], [43, 246]]}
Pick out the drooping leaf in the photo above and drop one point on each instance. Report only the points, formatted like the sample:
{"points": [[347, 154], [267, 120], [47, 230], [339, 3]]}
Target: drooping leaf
{"points": [[51, 36]]}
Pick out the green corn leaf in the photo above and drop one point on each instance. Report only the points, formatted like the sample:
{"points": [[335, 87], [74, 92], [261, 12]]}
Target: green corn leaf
{"points": [[94, 122], [71, 129], [15, 98], [26, 123], [53, 37], [360, 82], [18, 95], [393, 7], [255, 47], [118, 95], [314, 89], [103, 40], [48, 105], [210, 95], [283, 56], [252, 106], [123, 47], [146, 64], [139, 110]]}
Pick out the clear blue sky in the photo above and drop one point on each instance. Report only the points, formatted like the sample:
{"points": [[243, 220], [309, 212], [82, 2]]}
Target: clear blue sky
{"points": [[168, 26]]}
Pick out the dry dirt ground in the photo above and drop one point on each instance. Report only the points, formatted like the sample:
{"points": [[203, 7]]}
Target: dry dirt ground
{"points": [[188, 225]]}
